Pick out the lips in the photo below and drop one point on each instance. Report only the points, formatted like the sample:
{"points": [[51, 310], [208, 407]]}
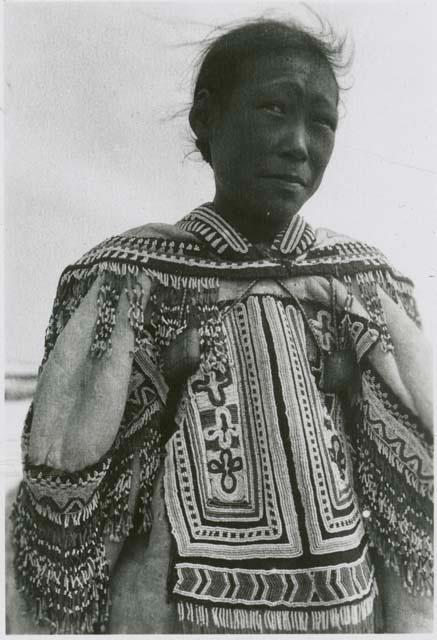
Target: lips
{"points": [[289, 178]]}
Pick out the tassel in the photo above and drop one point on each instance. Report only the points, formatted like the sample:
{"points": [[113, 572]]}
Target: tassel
{"points": [[107, 300], [344, 618], [369, 293], [135, 295], [150, 461], [188, 312], [115, 507]]}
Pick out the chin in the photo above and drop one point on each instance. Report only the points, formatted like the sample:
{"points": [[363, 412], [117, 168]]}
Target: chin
{"points": [[280, 212]]}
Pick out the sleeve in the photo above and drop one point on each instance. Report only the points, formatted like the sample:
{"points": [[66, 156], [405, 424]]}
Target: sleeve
{"points": [[97, 407], [392, 442]]}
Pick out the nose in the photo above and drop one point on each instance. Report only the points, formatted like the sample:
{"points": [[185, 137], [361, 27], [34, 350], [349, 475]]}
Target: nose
{"points": [[294, 140]]}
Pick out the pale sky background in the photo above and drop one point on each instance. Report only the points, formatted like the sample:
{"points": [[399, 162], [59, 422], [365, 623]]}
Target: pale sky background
{"points": [[92, 150]]}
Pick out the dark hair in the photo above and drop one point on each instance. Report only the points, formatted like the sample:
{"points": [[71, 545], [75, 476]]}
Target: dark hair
{"points": [[222, 58]]}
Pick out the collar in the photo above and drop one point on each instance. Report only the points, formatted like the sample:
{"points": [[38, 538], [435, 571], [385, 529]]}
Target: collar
{"points": [[205, 223]]}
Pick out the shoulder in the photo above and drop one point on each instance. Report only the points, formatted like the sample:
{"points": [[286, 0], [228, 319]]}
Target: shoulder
{"points": [[347, 256], [159, 230], [137, 244], [337, 247], [123, 261], [326, 238]]}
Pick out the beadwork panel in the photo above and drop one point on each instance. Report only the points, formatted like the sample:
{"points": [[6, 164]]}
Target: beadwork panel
{"points": [[225, 494]]}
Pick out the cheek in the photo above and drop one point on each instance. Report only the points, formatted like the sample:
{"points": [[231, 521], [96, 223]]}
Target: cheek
{"points": [[321, 152], [233, 161]]}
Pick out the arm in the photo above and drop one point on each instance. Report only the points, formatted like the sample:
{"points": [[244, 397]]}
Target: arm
{"points": [[91, 452], [407, 369], [79, 400], [392, 439], [390, 431], [413, 357]]}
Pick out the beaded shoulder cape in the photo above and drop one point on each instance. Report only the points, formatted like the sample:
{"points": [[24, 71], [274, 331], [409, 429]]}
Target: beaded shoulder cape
{"points": [[256, 549]]}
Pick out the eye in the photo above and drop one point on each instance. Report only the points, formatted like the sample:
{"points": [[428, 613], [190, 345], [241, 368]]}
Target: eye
{"points": [[325, 121], [273, 106]]}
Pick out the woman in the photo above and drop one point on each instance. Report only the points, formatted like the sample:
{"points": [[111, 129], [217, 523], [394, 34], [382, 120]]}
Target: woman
{"points": [[277, 372]]}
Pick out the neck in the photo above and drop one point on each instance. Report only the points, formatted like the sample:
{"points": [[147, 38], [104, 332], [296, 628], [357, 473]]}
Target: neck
{"points": [[261, 228]]}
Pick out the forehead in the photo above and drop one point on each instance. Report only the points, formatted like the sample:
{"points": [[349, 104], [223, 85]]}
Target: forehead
{"points": [[306, 72]]}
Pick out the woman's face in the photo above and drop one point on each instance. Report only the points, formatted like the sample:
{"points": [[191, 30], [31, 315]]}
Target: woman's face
{"points": [[271, 143]]}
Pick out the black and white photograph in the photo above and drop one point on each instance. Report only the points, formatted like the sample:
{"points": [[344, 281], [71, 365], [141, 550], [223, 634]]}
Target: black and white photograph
{"points": [[219, 297]]}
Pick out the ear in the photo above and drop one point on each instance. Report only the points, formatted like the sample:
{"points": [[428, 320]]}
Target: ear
{"points": [[201, 115]]}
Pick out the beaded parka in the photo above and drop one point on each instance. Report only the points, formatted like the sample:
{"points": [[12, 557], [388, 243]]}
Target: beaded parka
{"points": [[279, 473]]}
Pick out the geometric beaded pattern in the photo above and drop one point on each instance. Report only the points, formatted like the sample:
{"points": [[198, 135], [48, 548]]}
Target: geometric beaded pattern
{"points": [[65, 495], [393, 431], [207, 224], [258, 468], [286, 588]]}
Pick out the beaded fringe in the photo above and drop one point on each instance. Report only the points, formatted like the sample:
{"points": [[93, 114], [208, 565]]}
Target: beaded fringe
{"points": [[343, 618], [150, 462], [107, 301], [175, 281], [396, 526], [118, 277], [399, 290], [118, 518], [400, 522], [64, 576], [60, 558], [367, 284], [171, 310], [177, 306]]}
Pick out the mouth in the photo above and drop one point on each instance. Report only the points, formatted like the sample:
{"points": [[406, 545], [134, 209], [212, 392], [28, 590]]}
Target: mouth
{"points": [[288, 178]]}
